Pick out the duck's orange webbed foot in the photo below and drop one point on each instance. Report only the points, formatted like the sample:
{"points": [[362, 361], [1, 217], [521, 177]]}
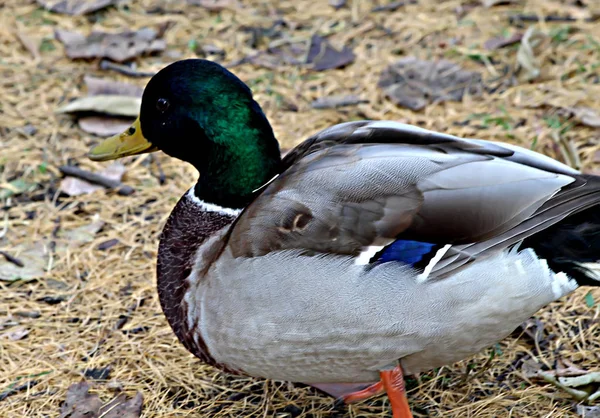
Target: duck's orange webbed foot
{"points": [[392, 382], [366, 393]]}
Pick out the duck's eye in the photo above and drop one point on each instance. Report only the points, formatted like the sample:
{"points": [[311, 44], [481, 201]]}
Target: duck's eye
{"points": [[162, 105]]}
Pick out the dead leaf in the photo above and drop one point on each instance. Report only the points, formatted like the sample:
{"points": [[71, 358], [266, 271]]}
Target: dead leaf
{"points": [[414, 83], [588, 411], [104, 103], [75, 7], [103, 126], [323, 56], [35, 261], [16, 334], [103, 86], [118, 47], [80, 403], [36, 256], [498, 42], [316, 53], [81, 235], [526, 53], [123, 407], [74, 187], [531, 369], [28, 44], [215, 5], [331, 102], [565, 368], [337, 4], [586, 115]]}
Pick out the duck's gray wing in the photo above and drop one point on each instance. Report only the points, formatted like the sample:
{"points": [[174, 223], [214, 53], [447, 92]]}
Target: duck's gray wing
{"points": [[361, 185]]}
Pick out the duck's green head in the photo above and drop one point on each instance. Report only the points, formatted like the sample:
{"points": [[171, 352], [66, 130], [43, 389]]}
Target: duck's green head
{"points": [[199, 112]]}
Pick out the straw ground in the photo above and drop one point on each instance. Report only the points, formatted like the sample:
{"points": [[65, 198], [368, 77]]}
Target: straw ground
{"points": [[98, 308]]}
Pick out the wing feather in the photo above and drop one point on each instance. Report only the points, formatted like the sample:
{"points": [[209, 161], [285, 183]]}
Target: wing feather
{"points": [[362, 184]]}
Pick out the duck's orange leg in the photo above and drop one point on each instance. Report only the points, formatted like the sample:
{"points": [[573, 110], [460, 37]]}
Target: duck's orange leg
{"points": [[392, 382], [366, 393]]}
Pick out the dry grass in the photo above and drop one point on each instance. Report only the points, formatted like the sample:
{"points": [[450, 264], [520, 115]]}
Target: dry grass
{"points": [[100, 287]]}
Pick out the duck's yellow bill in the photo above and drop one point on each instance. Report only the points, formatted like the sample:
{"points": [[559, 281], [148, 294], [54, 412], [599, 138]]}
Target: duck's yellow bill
{"points": [[130, 142]]}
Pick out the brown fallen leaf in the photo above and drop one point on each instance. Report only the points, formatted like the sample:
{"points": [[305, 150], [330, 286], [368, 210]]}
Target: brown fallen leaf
{"points": [[118, 47], [28, 44], [526, 54], [123, 407], [125, 69], [103, 86], [331, 102], [74, 187], [588, 411], [586, 116], [103, 126], [74, 238], [16, 334], [498, 42], [80, 403], [104, 103], [337, 4], [106, 125], [414, 83], [323, 56], [34, 258], [530, 369], [75, 7]]}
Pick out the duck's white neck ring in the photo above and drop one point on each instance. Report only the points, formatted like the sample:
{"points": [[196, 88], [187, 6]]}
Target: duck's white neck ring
{"points": [[211, 207]]}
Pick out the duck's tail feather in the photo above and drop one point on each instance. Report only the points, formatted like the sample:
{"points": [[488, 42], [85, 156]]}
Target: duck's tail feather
{"points": [[572, 246]]}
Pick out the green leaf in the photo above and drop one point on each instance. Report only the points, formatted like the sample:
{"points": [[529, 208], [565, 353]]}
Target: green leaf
{"points": [[47, 45], [15, 187], [497, 350], [589, 300]]}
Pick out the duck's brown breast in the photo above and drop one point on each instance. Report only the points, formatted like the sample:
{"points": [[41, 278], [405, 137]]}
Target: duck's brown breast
{"points": [[187, 229]]}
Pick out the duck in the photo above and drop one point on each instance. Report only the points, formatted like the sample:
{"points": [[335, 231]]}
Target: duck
{"points": [[370, 251]]}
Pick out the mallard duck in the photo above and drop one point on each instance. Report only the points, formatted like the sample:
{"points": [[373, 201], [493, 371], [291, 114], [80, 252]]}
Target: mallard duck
{"points": [[372, 250]]}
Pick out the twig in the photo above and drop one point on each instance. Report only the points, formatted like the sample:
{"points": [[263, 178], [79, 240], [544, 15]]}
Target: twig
{"points": [[124, 69], [393, 6], [17, 389], [12, 259], [550, 18], [96, 178]]}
